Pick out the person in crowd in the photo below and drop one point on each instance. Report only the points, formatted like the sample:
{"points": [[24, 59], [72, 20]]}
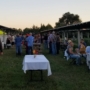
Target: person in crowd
{"points": [[50, 42], [25, 43], [82, 41], [45, 41], [9, 36], [18, 43], [72, 54], [12, 40], [54, 50], [35, 38], [23, 39], [87, 49], [1, 50], [82, 48], [30, 40], [8, 43], [57, 43], [42, 38], [39, 38], [22, 36]]}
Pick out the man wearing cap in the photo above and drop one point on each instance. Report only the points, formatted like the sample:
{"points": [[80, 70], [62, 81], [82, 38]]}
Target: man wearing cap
{"points": [[72, 54]]}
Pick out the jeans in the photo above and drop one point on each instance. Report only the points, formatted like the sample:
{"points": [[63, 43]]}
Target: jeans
{"points": [[45, 44], [26, 49], [30, 51], [77, 57], [18, 49], [50, 47], [84, 55], [54, 51]]}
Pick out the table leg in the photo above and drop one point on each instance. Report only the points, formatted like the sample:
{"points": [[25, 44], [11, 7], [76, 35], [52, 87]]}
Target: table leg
{"points": [[41, 75], [31, 75]]}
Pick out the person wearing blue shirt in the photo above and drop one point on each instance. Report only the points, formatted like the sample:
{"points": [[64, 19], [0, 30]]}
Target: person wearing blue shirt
{"points": [[18, 42], [88, 49], [30, 40]]}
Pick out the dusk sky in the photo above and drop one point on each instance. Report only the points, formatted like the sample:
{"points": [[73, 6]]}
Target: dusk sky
{"points": [[26, 13]]}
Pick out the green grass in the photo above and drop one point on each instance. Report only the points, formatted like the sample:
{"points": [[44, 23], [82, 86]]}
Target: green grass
{"points": [[65, 76]]}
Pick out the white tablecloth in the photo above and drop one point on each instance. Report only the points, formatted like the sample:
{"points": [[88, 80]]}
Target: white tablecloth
{"points": [[40, 62]]}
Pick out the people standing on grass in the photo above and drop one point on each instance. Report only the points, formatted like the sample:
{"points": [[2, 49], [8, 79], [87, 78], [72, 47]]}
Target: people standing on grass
{"points": [[54, 49], [45, 41], [38, 38], [18, 43], [25, 43], [12, 40], [8, 43], [50, 42], [30, 40], [54, 43]]}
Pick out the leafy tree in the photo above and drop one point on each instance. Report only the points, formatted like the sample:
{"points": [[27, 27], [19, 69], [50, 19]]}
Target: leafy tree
{"points": [[16, 30], [48, 26], [68, 19], [20, 30], [43, 27], [36, 29], [26, 30]]}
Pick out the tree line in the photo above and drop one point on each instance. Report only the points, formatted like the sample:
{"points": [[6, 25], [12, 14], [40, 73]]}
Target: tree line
{"points": [[66, 19]]}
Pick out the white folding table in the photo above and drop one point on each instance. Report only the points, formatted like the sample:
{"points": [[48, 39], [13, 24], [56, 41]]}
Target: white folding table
{"points": [[40, 62]]}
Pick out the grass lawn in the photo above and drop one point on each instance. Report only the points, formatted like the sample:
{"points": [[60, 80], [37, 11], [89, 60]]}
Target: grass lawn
{"points": [[65, 76]]}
